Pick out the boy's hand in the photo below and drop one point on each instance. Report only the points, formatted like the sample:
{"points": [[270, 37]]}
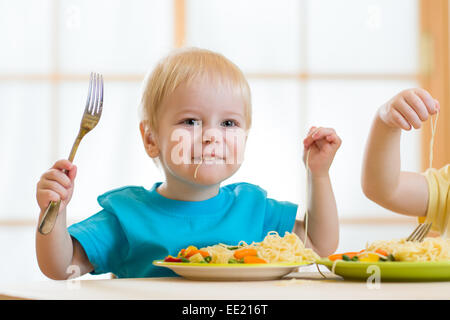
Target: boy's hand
{"points": [[56, 185], [408, 109], [323, 144]]}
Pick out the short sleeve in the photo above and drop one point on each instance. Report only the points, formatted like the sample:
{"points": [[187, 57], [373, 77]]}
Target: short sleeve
{"points": [[280, 216], [438, 198], [103, 240]]}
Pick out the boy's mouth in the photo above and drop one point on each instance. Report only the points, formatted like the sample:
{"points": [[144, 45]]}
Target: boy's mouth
{"points": [[208, 159]]}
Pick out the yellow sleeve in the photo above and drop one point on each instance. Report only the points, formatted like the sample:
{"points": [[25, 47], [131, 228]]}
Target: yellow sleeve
{"points": [[438, 211]]}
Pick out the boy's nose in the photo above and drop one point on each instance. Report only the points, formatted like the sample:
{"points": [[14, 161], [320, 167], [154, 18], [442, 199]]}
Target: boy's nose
{"points": [[209, 139], [211, 136]]}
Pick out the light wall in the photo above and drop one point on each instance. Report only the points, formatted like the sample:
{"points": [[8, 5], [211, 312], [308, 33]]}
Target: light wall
{"points": [[312, 62]]}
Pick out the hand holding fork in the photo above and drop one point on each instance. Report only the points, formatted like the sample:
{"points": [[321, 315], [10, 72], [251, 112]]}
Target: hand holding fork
{"points": [[55, 185]]}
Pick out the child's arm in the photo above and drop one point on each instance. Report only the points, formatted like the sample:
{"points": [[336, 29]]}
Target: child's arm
{"points": [[57, 250], [323, 223], [382, 179]]}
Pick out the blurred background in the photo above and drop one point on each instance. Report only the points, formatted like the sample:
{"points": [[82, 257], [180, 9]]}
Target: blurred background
{"points": [[308, 62]]}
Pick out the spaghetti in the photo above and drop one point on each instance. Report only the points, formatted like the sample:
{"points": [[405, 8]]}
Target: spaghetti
{"points": [[307, 196], [433, 133], [273, 249], [430, 249], [198, 166]]}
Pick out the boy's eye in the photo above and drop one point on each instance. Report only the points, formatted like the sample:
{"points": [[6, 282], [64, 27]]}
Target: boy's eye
{"points": [[229, 123], [192, 122]]}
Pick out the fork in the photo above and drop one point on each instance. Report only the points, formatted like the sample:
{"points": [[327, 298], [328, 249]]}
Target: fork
{"points": [[91, 116], [420, 232]]}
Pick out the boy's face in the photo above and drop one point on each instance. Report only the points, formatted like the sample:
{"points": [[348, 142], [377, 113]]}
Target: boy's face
{"points": [[201, 122]]}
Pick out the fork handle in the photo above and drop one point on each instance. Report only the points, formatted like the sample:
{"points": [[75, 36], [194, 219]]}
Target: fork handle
{"points": [[51, 213], [49, 218]]}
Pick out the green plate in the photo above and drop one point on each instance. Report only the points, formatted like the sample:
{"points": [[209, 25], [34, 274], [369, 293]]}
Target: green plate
{"points": [[390, 270]]}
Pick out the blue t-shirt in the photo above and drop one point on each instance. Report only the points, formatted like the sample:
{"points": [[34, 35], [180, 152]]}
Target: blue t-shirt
{"points": [[138, 226]]}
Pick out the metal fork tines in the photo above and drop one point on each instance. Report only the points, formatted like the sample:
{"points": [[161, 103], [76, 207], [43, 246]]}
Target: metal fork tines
{"points": [[91, 116], [420, 232], [92, 111]]}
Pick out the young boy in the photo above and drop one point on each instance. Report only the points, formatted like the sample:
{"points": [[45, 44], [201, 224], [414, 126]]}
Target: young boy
{"points": [[426, 195], [196, 110]]}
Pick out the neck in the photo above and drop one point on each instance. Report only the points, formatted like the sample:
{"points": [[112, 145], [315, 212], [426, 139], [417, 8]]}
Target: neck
{"points": [[176, 189]]}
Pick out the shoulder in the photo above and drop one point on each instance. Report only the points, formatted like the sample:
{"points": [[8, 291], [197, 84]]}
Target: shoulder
{"points": [[124, 191], [123, 195], [245, 188]]}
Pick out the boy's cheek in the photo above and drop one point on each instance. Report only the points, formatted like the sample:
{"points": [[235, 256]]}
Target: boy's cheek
{"points": [[236, 143]]}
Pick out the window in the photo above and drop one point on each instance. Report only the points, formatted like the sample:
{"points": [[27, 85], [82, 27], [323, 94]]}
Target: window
{"points": [[310, 62]]}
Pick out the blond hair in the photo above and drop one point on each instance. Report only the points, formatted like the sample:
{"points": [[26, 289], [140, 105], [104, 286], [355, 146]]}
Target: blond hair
{"points": [[184, 65]]}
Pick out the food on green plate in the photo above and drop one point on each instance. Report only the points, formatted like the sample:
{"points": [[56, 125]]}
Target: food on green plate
{"points": [[363, 256], [430, 249], [273, 249]]}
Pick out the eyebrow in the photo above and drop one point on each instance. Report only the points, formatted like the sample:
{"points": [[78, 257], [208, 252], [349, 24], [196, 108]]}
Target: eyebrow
{"points": [[196, 111]]}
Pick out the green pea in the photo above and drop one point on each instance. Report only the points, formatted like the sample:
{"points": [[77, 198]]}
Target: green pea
{"points": [[346, 257]]}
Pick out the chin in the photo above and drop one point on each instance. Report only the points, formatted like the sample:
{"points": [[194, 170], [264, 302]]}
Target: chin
{"points": [[207, 180], [212, 175]]}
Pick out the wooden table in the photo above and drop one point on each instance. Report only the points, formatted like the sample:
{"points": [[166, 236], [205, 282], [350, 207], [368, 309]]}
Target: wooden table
{"points": [[295, 286]]}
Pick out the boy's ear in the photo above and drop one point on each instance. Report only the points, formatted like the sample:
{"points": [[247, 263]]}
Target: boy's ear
{"points": [[147, 138]]}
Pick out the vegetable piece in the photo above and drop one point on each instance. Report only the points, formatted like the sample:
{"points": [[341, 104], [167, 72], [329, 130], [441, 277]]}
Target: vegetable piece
{"points": [[368, 257], [172, 259], [340, 256], [241, 253], [203, 253], [253, 259], [208, 259], [337, 256], [233, 248], [196, 258], [190, 251], [382, 252], [346, 257], [232, 260]]}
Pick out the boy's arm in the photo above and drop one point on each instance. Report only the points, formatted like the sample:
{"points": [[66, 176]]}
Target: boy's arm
{"points": [[323, 230], [320, 147], [382, 179], [57, 251]]}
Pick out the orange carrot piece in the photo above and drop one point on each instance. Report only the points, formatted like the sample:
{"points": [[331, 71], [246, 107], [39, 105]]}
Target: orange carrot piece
{"points": [[382, 252], [241, 253], [253, 259], [203, 253], [181, 253], [338, 256], [192, 252]]}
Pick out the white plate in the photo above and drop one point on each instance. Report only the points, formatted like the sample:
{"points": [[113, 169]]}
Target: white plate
{"points": [[230, 272]]}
